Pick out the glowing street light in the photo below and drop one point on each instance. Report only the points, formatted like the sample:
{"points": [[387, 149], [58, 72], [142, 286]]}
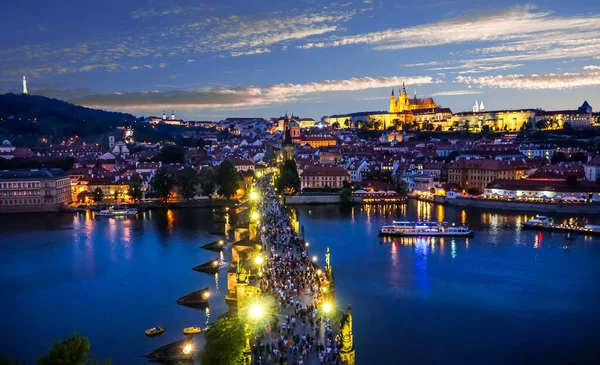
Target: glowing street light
{"points": [[206, 295], [188, 348], [306, 244], [253, 195], [259, 260], [215, 263], [319, 272], [327, 308], [255, 216], [314, 258], [256, 311]]}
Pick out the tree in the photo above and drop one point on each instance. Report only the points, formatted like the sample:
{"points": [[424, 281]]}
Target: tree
{"points": [[228, 179], [335, 125], [188, 181], [72, 351], [288, 178], [98, 195], [541, 124], [466, 125], [162, 183], [207, 180], [473, 191], [558, 157], [347, 123], [376, 124], [401, 186], [571, 180], [345, 192], [485, 129], [397, 123], [578, 157], [567, 127], [135, 187], [171, 154], [225, 342]]}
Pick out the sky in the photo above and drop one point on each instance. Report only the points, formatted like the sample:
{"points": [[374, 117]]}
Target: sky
{"points": [[208, 60]]}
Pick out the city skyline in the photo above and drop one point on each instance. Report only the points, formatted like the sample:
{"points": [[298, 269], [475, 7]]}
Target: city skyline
{"points": [[309, 58]]}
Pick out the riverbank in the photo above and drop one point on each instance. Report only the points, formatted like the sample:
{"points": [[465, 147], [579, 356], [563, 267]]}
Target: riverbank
{"points": [[556, 208]]}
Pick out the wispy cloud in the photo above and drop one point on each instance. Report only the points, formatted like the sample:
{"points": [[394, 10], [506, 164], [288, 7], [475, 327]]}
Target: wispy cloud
{"points": [[245, 97], [457, 92], [176, 10], [534, 82], [514, 23], [592, 68], [251, 52]]}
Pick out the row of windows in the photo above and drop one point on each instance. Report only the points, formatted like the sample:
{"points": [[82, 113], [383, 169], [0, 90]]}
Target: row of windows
{"points": [[18, 185], [328, 178], [20, 201], [20, 193]]}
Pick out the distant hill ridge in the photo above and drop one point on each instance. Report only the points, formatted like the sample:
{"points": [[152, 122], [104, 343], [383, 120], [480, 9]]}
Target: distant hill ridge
{"points": [[41, 115]]}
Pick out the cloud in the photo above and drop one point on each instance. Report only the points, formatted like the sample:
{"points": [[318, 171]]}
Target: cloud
{"points": [[162, 65], [482, 69], [521, 23], [592, 68], [177, 10], [534, 82], [251, 52], [456, 92], [251, 96]]}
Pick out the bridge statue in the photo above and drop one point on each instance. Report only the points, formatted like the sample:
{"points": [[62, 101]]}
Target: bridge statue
{"points": [[347, 353]]}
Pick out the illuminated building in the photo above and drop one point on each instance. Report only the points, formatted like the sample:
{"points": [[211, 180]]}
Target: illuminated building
{"points": [[33, 190], [324, 177], [478, 173], [318, 141], [404, 103]]}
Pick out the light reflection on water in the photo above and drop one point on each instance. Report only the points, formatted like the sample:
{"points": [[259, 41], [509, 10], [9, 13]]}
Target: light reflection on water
{"points": [[478, 293]]}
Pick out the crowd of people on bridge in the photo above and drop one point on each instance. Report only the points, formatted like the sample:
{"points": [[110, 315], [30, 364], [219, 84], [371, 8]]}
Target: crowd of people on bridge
{"points": [[299, 333]]}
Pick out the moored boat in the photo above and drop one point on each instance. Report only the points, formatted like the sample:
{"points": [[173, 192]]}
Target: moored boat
{"points": [[547, 224], [154, 331], [117, 212], [192, 330], [425, 229]]}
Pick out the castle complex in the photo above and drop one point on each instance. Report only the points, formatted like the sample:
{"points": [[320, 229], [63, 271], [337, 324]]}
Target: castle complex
{"points": [[425, 114]]}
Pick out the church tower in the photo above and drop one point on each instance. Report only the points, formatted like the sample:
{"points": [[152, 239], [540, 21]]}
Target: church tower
{"points": [[476, 107], [24, 85], [403, 100], [172, 115], [481, 107], [392, 103]]}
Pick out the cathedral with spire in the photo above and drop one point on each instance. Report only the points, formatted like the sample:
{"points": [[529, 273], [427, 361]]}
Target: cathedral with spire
{"points": [[405, 103]]}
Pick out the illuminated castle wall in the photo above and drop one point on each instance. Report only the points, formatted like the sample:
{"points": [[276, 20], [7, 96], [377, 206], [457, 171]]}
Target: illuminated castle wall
{"points": [[404, 103]]}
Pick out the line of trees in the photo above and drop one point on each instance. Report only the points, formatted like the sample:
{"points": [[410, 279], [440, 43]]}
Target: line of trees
{"points": [[189, 182]]}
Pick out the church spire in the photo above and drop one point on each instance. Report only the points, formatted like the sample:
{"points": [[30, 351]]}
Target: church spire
{"points": [[392, 92], [415, 94], [403, 89]]}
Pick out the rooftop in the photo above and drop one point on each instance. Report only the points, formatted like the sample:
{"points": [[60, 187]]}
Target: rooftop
{"points": [[32, 174]]}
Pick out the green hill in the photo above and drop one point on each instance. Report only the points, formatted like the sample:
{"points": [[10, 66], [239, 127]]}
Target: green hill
{"points": [[24, 119]]}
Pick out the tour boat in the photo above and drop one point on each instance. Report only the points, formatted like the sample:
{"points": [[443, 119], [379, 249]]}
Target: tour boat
{"points": [[544, 223], [154, 331], [192, 330], [422, 229], [117, 212]]}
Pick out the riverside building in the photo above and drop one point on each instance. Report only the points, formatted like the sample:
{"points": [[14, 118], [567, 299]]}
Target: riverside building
{"points": [[44, 190]]}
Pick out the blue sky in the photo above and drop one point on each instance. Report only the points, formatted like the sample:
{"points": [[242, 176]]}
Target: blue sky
{"points": [[210, 60]]}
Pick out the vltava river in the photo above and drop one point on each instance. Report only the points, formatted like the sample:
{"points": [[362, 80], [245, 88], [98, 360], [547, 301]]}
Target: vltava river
{"points": [[506, 296]]}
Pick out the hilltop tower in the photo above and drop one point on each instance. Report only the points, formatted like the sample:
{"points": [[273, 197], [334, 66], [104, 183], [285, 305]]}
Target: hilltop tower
{"points": [[481, 107], [403, 99], [392, 103], [24, 85], [476, 107]]}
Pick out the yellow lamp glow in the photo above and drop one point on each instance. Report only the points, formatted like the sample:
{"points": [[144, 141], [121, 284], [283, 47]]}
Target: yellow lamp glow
{"points": [[256, 311], [255, 216], [215, 263], [253, 195], [188, 348], [319, 272], [258, 260], [327, 308], [314, 258], [206, 295]]}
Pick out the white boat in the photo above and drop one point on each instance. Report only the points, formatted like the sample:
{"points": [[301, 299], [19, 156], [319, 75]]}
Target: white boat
{"points": [[423, 229], [116, 212], [541, 221]]}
